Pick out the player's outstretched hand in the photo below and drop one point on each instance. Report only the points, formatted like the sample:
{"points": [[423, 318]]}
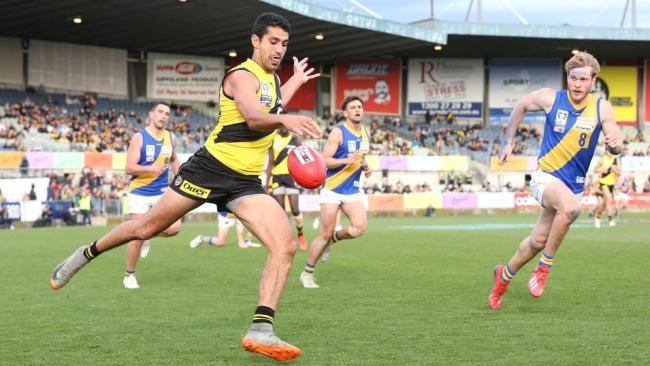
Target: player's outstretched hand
{"points": [[302, 126], [301, 71], [505, 154]]}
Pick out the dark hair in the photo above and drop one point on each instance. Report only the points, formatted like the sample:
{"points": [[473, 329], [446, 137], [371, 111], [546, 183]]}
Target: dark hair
{"points": [[266, 20], [347, 101], [157, 103]]}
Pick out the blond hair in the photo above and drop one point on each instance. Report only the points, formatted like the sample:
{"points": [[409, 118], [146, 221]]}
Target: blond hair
{"points": [[582, 59]]}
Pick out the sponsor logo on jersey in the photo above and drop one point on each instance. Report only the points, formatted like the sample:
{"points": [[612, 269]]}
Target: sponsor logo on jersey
{"points": [[585, 123], [150, 151], [560, 120], [265, 97]]}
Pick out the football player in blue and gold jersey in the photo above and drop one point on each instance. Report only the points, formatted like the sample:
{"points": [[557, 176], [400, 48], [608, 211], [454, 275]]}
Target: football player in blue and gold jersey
{"points": [[344, 155], [150, 156], [574, 120]]}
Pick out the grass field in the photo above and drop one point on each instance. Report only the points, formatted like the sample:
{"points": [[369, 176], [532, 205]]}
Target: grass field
{"points": [[412, 291]]}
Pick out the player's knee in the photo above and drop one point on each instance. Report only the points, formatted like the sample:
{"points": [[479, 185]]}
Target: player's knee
{"points": [[172, 230], [357, 230], [145, 231], [295, 212], [538, 242], [572, 212]]}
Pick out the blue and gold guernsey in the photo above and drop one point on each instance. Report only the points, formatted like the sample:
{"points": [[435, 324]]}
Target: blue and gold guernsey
{"points": [[345, 179], [570, 138], [153, 152]]}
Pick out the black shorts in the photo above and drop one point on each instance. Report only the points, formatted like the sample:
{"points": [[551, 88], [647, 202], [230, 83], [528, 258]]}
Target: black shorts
{"points": [[203, 178], [609, 187], [283, 180]]}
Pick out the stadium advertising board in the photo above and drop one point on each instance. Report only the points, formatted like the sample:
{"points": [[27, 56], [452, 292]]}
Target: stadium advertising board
{"points": [[377, 82], [179, 77], [78, 67], [510, 80], [13, 210], [305, 99], [11, 62], [618, 85], [446, 85], [646, 89], [635, 164]]}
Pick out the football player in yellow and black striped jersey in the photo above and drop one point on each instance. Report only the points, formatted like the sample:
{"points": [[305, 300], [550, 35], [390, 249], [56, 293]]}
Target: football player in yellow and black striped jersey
{"points": [[574, 120], [226, 172], [609, 168], [280, 182]]}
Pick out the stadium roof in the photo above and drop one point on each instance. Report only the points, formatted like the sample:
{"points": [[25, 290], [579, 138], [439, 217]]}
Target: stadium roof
{"points": [[214, 27], [207, 27]]}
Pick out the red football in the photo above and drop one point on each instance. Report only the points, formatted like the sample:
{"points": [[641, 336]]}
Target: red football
{"points": [[306, 167]]}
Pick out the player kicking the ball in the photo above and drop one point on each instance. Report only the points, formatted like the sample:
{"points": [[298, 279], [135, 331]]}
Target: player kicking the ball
{"points": [[344, 153], [226, 172], [574, 119]]}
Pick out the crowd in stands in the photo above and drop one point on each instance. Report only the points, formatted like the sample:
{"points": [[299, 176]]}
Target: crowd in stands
{"points": [[81, 124]]}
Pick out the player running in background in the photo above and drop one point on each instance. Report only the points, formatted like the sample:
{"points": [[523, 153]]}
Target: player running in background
{"points": [[344, 155], [622, 193], [150, 155], [226, 172], [279, 180], [609, 168], [574, 119], [226, 220]]}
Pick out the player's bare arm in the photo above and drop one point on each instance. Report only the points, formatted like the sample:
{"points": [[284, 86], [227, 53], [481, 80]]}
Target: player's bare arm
{"points": [[242, 86], [302, 73], [613, 140], [174, 163], [538, 100], [133, 156], [269, 167]]}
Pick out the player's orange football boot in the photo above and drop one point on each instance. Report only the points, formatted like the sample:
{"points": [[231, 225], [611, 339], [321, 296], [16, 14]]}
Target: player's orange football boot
{"points": [[499, 289], [538, 281], [268, 344], [302, 242]]}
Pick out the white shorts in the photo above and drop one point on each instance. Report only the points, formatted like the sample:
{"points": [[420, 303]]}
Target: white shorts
{"points": [[538, 182], [285, 190], [226, 222], [138, 204], [331, 197]]}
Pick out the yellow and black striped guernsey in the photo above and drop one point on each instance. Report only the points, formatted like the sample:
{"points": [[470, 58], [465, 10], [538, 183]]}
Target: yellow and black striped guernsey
{"points": [[232, 142]]}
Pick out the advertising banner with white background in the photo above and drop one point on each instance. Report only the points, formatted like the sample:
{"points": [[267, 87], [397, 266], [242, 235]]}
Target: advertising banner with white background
{"points": [[510, 80], [184, 77], [446, 85]]}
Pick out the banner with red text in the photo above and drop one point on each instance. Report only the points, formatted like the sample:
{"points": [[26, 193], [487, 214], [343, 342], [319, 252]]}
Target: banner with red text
{"points": [[446, 86], [182, 77], [377, 82]]}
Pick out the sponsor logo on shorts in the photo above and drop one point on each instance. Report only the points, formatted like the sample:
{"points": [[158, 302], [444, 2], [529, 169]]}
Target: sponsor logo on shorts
{"points": [[580, 180], [178, 181], [194, 190]]}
